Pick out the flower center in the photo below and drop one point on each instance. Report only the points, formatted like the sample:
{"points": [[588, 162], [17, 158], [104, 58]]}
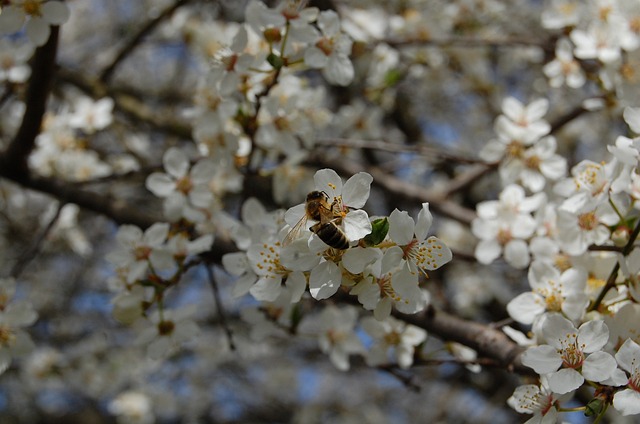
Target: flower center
{"points": [[572, 355], [32, 7], [515, 149], [270, 263], [532, 162], [184, 185], [392, 338], [326, 45], [7, 336], [588, 221], [386, 289], [142, 253], [504, 236]]}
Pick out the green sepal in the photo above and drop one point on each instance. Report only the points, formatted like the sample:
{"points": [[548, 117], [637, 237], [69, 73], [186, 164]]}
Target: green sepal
{"points": [[296, 317], [392, 77], [379, 230], [276, 61], [594, 407]]}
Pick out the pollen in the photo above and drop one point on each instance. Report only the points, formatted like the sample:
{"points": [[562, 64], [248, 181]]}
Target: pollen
{"points": [[7, 336], [588, 221]]}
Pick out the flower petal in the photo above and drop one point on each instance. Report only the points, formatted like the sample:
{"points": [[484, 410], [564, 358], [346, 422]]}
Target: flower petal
{"points": [[356, 190], [324, 280], [329, 181], [401, 227], [357, 225], [565, 381]]}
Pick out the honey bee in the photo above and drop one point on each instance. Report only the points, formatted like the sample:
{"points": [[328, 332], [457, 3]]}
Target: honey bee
{"points": [[318, 208]]}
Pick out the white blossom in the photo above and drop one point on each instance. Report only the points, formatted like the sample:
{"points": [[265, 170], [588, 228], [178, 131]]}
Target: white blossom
{"points": [[572, 354]]}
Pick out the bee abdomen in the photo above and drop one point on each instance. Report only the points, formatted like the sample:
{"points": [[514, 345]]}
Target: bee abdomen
{"points": [[333, 236]]}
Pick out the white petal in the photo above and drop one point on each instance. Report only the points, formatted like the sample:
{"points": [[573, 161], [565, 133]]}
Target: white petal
{"points": [[356, 190], [437, 253], [537, 109], [627, 402], [423, 224], [20, 314], [487, 251], [5, 360], [315, 58], [543, 359], [38, 30], [575, 305], [512, 108], [593, 335], [55, 12], [383, 309], [628, 355], [203, 171], [632, 117], [243, 284], [266, 289], [324, 280], [11, 20], [357, 225], [339, 70], [297, 283], [556, 329], [329, 181], [565, 381], [175, 162], [516, 253], [401, 227], [526, 307], [598, 366], [357, 258], [235, 263], [160, 184], [156, 234]]}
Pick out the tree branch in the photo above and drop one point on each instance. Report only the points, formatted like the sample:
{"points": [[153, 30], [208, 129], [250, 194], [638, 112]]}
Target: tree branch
{"points": [[487, 341], [14, 159]]}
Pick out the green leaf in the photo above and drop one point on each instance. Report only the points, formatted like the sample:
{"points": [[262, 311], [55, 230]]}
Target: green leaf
{"points": [[380, 228]]}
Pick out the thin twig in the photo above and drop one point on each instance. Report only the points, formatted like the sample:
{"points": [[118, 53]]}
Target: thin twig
{"points": [[468, 42], [129, 47], [563, 120], [219, 307], [611, 281], [407, 380], [438, 201], [30, 253], [395, 148]]}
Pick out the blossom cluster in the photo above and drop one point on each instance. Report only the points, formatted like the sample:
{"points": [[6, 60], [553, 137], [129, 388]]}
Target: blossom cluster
{"points": [[15, 315], [381, 266], [576, 238], [257, 112], [147, 264], [601, 30], [35, 15], [63, 149]]}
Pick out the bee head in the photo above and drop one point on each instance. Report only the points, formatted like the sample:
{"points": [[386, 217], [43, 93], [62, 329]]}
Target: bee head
{"points": [[316, 195]]}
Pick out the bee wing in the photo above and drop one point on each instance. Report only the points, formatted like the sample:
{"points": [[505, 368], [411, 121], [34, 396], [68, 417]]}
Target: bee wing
{"points": [[295, 231]]}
